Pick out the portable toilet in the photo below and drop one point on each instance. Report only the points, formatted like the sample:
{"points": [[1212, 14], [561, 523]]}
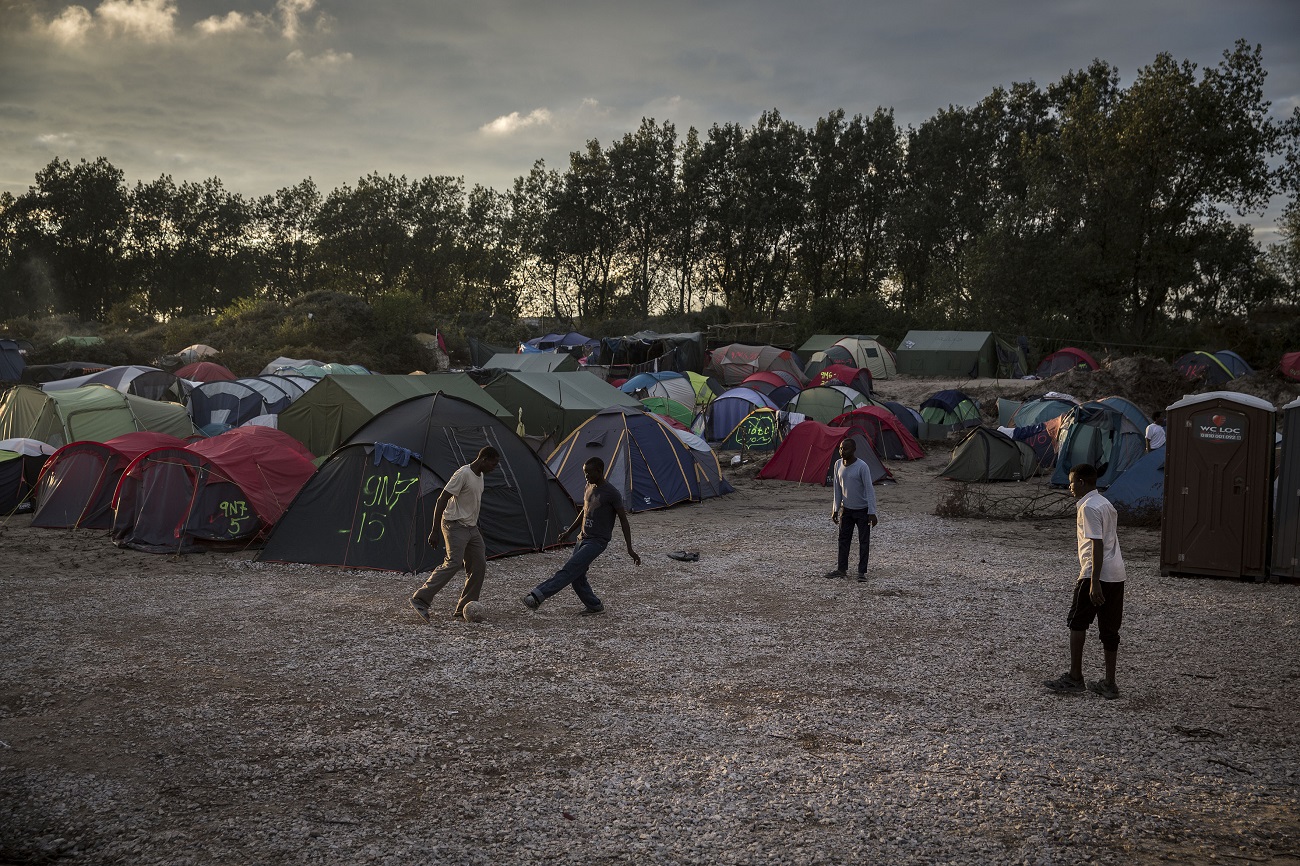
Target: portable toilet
{"points": [[1218, 486], [1286, 502]]}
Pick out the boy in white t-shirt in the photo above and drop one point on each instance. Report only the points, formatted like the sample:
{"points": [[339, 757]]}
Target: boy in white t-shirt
{"points": [[1155, 433], [1099, 587]]}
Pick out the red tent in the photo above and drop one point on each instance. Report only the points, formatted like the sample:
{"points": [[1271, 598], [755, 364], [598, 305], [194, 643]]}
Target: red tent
{"points": [[806, 454], [205, 371], [1063, 360], [890, 438], [1291, 366], [76, 486], [843, 374]]}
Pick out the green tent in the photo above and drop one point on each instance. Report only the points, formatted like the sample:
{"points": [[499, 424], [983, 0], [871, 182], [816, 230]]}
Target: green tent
{"points": [[821, 342], [669, 409], [93, 413], [826, 402], [988, 455], [325, 416], [534, 362], [555, 404], [949, 354]]}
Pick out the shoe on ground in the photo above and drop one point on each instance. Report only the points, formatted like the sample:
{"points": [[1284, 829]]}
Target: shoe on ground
{"points": [[833, 574], [1066, 684], [862, 577], [421, 609], [1109, 691], [530, 601], [592, 611]]}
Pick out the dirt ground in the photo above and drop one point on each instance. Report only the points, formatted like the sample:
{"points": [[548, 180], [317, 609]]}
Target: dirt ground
{"points": [[738, 709]]}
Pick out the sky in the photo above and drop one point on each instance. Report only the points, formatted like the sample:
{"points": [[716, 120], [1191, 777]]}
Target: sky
{"points": [[264, 93]]}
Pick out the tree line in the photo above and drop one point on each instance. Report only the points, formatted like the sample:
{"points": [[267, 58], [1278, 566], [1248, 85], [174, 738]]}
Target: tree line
{"points": [[1083, 208]]}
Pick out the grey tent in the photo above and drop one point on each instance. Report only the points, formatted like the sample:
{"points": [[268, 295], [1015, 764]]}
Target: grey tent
{"points": [[555, 404], [969, 354], [988, 455], [533, 362]]}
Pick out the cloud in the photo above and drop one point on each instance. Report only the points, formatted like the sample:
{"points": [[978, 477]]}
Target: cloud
{"points": [[147, 20], [290, 11], [155, 21], [70, 27], [509, 124], [231, 22], [325, 60]]}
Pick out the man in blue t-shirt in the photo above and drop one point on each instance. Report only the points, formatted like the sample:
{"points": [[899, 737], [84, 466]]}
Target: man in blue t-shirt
{"points": [[601, 503], [853, 507]]}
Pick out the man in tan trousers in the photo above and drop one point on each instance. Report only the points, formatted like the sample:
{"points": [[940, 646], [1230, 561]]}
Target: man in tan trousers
{"points": [[455, 518]]}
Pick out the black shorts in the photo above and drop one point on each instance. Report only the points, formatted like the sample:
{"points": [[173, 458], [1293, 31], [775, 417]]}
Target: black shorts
{"points": [[1109, 615]]}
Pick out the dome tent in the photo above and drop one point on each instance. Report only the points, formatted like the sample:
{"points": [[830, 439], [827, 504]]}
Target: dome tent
{"points": [[1099, 434], [95, 412], [735, 361], [371, 503], [888, 436], [809, 451], [644, 459], [1064, 360], [77, 485], [989, 455]]}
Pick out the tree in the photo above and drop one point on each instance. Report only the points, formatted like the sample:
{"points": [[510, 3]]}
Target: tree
{"points": [[642, 167], [287, 240]]}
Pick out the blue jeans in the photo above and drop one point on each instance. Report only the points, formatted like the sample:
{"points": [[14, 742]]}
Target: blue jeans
{"points": [[852, 518], [574, 573]]}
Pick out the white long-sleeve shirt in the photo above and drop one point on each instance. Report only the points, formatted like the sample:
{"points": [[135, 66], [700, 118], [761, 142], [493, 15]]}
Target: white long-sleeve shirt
{"points": [[853, 487]]}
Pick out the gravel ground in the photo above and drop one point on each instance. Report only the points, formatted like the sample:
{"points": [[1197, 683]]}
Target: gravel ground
{"points": [[739, 709]]}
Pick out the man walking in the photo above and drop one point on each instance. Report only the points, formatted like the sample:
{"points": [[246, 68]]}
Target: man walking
{"points": [[455, 519], [601, 503], [1099, 588], [853, 507]]}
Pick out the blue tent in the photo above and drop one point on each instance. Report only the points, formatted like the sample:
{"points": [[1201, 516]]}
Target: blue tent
{"points": [[1130, 410], [12, 361], [645, 459], [1236, 364], [727, 411], [1140, 490], [1102, 435], [950, 407], [910, 417]]}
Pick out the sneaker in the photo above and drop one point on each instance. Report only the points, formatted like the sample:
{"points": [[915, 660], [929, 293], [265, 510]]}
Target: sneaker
{"points": [[420, 608], [1065, 684], [862, 577], [592, 611], [834, 574], [1109, 691], [531, 602]]}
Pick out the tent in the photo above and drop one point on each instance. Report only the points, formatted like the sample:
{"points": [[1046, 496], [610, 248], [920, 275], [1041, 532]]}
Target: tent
{"points": [[76, 487], [197, 352], [1139, 493], [1036, 410], [644, 459], [669, 385], [950, 408], [1099, 434], [220, 405], [228, 489], [889, 437], [371, 503], [825, 402], [12, 362], [21, 461], [911, 418], [1235, 364], [669, 409], [1013, 363], [149, 382], [95, 412], [1064, 360], [808, 451], [1203, 365], [840, 374], [555, 404], [288, 365], [1290, 366], [820, 343], [328, 414], [534, 362], [707, 388], [727, 410], [205, 371], [39, 374], [990, 455], [648, 351], [969, 354], [1041, 437], [1130, 409], [571, 343], [864, 353], [732, 363]]}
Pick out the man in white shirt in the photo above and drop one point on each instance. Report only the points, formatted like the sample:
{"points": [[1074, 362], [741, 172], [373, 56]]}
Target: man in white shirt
{"points": [[1099, 587], [853, 507], [1156, 431], [455, 523]]}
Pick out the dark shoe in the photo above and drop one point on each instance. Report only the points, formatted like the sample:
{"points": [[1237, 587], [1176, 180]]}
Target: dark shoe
{"points": [[1109, 691], [420, 608], [531, 602], [685, 555], [862, 577], [1066, 684], [835, 574], [592, 611]]}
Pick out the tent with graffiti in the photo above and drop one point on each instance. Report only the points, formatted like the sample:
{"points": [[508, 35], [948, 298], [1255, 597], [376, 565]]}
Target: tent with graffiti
{"points": [[76, 487], [732, 363], [324, 417], [645, 459], [95, 412], [841, 374], [888, 436], [1101, 435], [1064, 360], [1289, 366], [227, 490], [809, 450], [371, 503], [991, 455], [1203, 366], [724, 415], [864, 353], [21, 461]]}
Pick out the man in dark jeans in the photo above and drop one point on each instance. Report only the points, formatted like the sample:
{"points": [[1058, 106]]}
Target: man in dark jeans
{"points": [[854, 507], [601, 503]]}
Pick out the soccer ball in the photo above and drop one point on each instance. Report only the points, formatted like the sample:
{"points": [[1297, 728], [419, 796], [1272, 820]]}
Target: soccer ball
{"points": [[473, 612]]}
